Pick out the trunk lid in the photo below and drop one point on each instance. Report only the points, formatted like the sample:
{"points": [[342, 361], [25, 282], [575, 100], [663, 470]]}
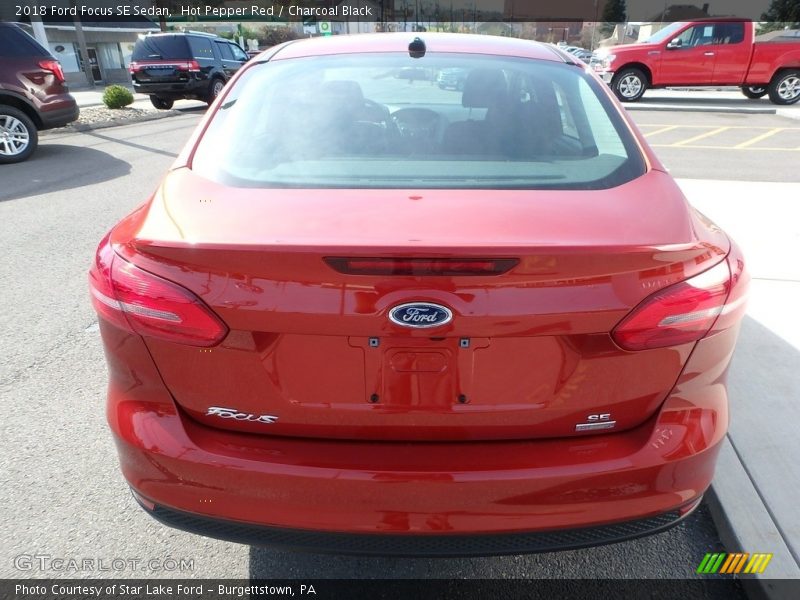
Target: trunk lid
{"points": [[527, 353]]}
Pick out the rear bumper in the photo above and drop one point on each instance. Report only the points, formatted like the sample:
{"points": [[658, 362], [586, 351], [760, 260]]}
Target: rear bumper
{"points": [[417, 488], [194, 88], [510, 496], [60, 115], [433, 545]]}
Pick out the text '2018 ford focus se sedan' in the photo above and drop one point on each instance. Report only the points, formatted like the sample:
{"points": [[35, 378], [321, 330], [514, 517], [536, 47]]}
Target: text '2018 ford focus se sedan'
{"points": [[368, 317]]}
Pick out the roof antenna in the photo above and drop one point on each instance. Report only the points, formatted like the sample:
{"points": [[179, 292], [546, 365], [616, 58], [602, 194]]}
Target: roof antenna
{"points": [[416, 49]]}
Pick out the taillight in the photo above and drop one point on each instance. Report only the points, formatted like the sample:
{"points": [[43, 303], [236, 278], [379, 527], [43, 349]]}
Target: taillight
{"points": [[190, 65], [133, 67], [421, 266], [54, 67], [139, 301], [680, 313]]}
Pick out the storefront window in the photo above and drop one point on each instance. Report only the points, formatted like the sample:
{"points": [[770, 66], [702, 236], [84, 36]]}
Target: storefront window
{"points": [[110, 56], [67, 55]]}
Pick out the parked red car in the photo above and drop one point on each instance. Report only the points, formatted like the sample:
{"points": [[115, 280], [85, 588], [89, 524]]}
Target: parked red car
{"points": [[710, 52], [362, 316]]}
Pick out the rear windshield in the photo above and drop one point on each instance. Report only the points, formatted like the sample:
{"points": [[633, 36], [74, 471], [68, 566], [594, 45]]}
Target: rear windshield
{"points": [[15, 42], [156, 47], [443, 121]]}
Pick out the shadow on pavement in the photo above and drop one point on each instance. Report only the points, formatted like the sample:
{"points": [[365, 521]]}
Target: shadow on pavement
{"points": [[706, 101], [200, 108], [59, 167], [115, 140], [673, 554]]}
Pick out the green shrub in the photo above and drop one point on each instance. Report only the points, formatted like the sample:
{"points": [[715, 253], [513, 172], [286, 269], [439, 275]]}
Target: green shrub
{"points": [[117, 96]]}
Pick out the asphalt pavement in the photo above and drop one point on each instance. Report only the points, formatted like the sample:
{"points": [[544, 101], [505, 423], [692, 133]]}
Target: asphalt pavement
{"points": [[60, 478], [725, 146]]}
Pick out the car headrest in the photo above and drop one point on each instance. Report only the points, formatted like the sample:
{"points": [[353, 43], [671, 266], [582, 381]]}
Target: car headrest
{"points": [[343, 92], [484, 88]]}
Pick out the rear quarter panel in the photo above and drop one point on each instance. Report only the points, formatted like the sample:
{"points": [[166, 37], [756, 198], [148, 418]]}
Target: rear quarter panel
{"points": [[769, 57]]}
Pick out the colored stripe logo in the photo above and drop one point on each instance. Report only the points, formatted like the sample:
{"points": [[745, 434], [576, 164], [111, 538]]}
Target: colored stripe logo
{"points": [[738, 562]]}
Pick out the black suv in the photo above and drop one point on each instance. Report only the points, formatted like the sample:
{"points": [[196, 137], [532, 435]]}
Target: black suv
{"points": [[32, 94], [171, 66]]}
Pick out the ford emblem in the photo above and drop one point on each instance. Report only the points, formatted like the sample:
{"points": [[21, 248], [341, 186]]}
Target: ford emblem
{"points": [[420, 315]]}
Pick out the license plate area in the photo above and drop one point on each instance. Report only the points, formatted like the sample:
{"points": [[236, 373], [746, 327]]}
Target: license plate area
{"points": [[425, 374], [154, 74]]}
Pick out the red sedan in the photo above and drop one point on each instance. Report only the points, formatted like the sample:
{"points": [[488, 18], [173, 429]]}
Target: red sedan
{"points": [[363, 314]]}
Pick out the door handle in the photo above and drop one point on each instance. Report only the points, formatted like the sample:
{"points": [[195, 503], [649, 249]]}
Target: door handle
{"points": [[708, 53]]}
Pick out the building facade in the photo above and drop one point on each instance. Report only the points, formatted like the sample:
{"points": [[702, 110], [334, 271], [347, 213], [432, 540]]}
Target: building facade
{"points": [[108, 44]]}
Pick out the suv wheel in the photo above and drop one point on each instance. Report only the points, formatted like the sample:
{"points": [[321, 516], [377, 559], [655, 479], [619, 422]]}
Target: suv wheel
{"points": [[215, 89], [18, 135], [161, 103]]}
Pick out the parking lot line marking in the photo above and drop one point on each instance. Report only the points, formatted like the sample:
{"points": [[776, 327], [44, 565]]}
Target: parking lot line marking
{"points": [[758, 138], [686, 126], [712, 126], [662, 130], [726, 148], [701, 136]]}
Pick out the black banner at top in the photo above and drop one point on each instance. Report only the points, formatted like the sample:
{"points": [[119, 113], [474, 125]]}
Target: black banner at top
{"points": [[433, 13]]}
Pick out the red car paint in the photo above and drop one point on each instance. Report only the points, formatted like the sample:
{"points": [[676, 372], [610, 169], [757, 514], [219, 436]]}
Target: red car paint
{"points": [[419, 433], [710, 61]]}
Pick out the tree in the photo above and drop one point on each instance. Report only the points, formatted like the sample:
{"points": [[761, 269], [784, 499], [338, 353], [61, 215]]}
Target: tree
{"points": [[590, 35], [272, 36], [174, 7], [781, 14], [613, 13]]}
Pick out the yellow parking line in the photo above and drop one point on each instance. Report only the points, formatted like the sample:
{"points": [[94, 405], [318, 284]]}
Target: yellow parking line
{"points": [[662, 130], [758, 138], [712, 126], [726, 148], [688, 126], [701, 136]]}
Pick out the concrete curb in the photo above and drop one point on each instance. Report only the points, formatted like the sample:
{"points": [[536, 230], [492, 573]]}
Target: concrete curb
{"points": [[81, 127], [746, 525], [791, 113], [137, 103]]}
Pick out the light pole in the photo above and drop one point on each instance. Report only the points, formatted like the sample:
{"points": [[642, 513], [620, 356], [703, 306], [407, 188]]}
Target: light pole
{"points": [[87, 67], [36, 24]]}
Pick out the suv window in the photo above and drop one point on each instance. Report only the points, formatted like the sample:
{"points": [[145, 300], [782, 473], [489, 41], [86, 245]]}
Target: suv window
{"points": [[201, 47], [238, 53], [225, 50], [166, 47], [349, 121], [16, 42]]}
